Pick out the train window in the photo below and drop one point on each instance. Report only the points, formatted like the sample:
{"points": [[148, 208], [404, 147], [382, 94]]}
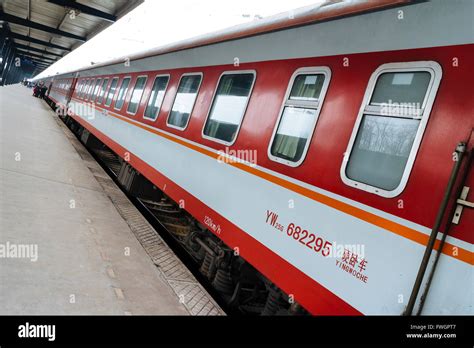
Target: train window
{"points": [[228, 106], [298, 115], [122, 93], [111, 92], [84, 89], [390, 126], [184, 101], [156, 97], [89, 92], [401, 87], [96, 90], [102, 91], [78, 87], [136, 95]]}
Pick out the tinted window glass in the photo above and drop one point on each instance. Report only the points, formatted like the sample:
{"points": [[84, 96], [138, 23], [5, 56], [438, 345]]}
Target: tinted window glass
{"points": [[91, 87], [228, 106], [184, 100], [111, 92], [78, 87], [298, 117], [384, 142], [122, 93], [381, 150], [307, 87], [401, 87], [136, 95], [84, 89], [102, 91], [156, 97], [292, 133], [96, 89]]}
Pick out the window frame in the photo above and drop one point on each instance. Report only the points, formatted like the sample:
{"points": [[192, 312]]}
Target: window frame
{"points": [[164, 96], [131, 95], [101, 93], [229, 72], [90, 90], [95, 93], [310, 70], [118, 92], [84, 89], [108, 90], [422, 114], [77, 88], [194, 103]]}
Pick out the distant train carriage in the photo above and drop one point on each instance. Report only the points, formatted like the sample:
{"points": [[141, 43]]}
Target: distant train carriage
{"points": [[316, 146]]}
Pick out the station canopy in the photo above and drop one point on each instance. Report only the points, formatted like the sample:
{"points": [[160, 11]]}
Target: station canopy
{"points": [[44, 31]]}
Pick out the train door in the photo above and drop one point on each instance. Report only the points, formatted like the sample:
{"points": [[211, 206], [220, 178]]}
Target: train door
{"points": [[71, 89], [462, 221], [455, 254], [51, 83]]}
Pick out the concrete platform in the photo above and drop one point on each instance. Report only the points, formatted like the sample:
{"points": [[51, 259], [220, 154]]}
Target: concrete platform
{"points": [[88, 259]]}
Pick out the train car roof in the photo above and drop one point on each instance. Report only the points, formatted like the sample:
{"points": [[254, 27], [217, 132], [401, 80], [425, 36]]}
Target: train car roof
{"points": [[329, 10]]}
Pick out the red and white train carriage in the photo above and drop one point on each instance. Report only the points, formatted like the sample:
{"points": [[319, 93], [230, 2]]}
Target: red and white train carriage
{"points": [[295, 137]]}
